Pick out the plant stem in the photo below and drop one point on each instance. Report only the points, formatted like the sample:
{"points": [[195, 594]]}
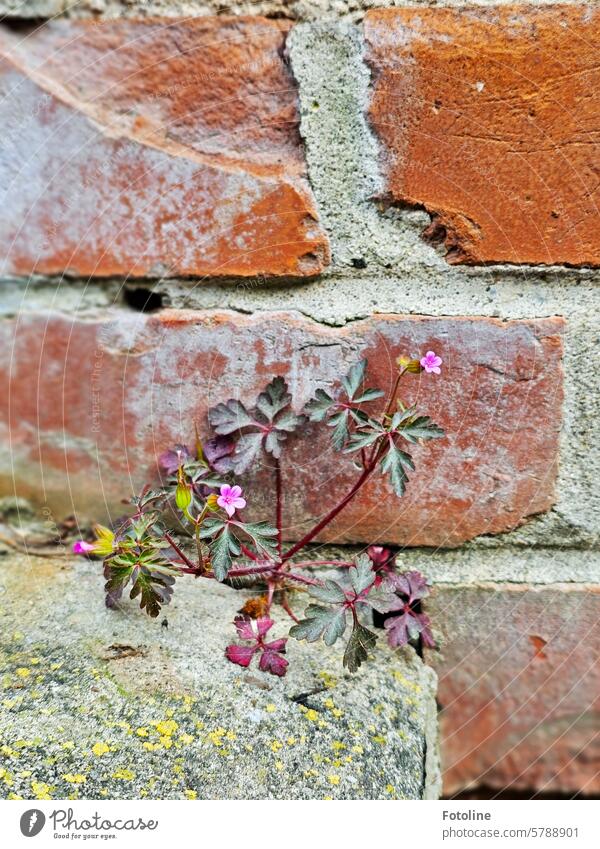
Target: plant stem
{"points": [[286, 606], [183, 556], [330, 516], [302, 564], [370, 466], [249, 553], [302, 579], [279, 495], [390, 404]]}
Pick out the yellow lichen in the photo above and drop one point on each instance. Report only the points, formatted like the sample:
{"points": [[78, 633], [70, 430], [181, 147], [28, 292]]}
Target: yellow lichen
{"points": [[124, 774], [167, 727], [41, 790], [74, 779], [100, 749]]}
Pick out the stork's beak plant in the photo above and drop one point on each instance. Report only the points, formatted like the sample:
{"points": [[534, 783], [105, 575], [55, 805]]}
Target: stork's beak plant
{"points": [[144, 554]]}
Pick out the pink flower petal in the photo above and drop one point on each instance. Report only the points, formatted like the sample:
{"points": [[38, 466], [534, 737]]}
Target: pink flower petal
{"points": [[82, 547]]}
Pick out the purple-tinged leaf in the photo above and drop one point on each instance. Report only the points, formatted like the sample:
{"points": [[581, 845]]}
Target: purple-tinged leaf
{"points": [[408, 626], [272, 659], [218, 451], [242, 655], [271, 654], [412, 584], [172, 459]]}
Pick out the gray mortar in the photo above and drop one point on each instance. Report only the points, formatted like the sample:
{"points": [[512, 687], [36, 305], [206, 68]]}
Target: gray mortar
{"points": [[472, 563], [301, 10], [74, 674]]}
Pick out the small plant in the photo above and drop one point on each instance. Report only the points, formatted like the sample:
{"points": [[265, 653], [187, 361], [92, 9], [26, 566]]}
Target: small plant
{"points": [[144, 554]]}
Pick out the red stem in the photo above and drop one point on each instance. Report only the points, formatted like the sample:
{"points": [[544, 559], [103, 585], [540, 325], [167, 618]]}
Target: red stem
{"points": [[372, 462], [301, 579], [279, 494], [249, 553], [302, 564], [329, 517], [185, 559]]}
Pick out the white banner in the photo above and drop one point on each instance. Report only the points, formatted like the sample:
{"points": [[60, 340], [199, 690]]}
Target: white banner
{"points": [[290, 825]]}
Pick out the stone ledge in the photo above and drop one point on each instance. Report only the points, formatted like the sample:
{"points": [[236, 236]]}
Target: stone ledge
{"points": [[177, 717]]}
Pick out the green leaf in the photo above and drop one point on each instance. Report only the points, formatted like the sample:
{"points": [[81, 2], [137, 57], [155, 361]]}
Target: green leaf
{"points": [[262, 534], [266, 426], [354, 378], [361, 642], [369, 395], [362, 439], [155, 588], [117, 576], [247, 450], [229, 417], [339, 422], [362, 575], [331, 592], [395, 463], [328, 623], [318, 407], [273, 399], [420, 427], [222, 549]]}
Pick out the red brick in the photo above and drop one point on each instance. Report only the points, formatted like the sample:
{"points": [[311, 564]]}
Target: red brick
{"points": [[519, 686], [97, 400], [154, 147], [488, 122]]}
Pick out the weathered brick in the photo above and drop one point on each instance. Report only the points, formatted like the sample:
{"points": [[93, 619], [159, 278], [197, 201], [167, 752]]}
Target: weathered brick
{"points": [[487, 121], [87, 404], [149, 147], [519, 686]]}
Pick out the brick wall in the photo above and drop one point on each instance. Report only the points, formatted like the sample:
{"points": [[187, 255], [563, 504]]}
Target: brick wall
{"points": [[281, 194]]}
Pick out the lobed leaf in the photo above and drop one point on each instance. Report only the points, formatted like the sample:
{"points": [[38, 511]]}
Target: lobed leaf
{"points": [[395, 463], [361, 642], [328, 623]]}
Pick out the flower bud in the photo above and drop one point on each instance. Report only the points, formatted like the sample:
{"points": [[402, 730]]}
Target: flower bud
{"points": [[105, 543], [408, 364], [211, 501], [183, 496]]}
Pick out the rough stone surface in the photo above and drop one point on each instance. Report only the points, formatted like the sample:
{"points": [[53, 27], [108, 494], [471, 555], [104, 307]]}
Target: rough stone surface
{"points": [[130, 386], [153, 148], [519, 685], [109, 703], [487, 123], [475, 562], [301, 10]]}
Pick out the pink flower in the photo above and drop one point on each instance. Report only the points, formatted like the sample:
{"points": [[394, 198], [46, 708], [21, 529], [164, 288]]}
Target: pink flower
{"points": [[431, 363], [82, 547], [231, 499]]}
